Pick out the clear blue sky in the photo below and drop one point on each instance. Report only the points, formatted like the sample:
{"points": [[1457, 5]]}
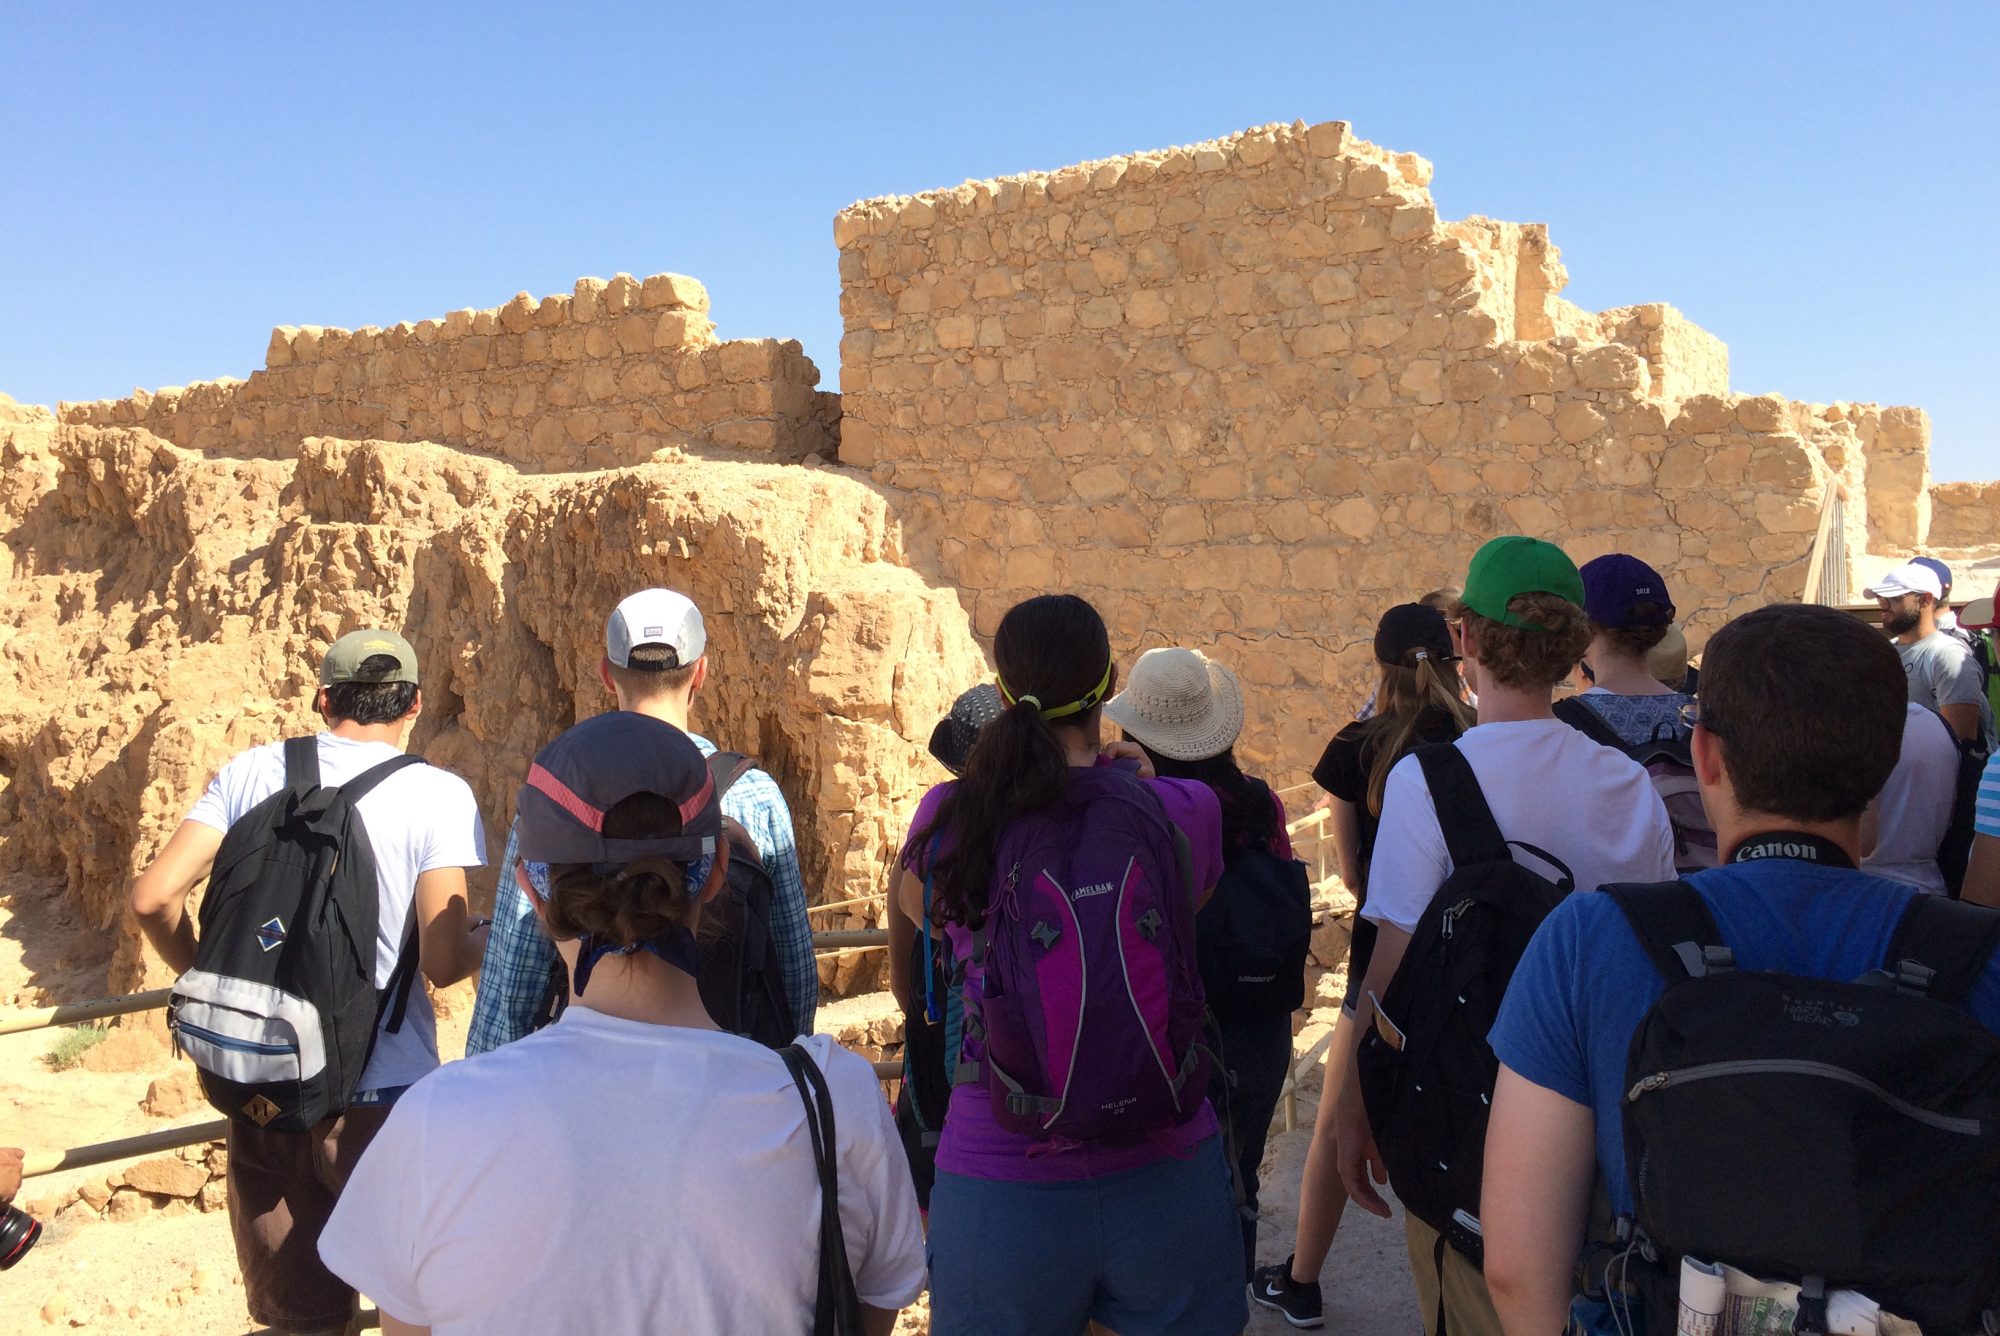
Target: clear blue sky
{"points": [[1814, 182]]}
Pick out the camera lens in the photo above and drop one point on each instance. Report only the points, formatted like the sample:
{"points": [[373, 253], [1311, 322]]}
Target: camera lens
{"points": [[18, 1232]]}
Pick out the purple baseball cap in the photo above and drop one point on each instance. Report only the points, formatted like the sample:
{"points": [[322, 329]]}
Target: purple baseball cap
{"points": [[1619, 590], [598, 764]]}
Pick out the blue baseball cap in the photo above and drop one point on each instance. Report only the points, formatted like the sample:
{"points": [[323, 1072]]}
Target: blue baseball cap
{"points": [[596, 765], [1933, 564], [1620, 591]]}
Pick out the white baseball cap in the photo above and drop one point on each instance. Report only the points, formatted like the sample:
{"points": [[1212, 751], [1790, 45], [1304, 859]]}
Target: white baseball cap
{"points": [[1909, 578], [655, 617]]}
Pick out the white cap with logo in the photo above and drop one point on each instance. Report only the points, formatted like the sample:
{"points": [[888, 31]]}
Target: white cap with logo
{"points": [[655, 617], [1909, 578]]}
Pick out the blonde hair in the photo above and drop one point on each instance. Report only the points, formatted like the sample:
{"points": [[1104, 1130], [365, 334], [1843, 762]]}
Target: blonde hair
{"points": [[1406, 693]]}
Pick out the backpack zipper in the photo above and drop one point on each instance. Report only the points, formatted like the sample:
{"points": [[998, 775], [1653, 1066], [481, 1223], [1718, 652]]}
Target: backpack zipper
{"points": [[1451, 917], [1646, 1085], [239, 1045]]}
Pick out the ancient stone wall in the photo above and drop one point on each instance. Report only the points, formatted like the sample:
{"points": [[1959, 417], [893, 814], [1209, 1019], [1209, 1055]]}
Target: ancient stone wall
{"points": [[1964, 515], [604, 376], [1248, 393]]}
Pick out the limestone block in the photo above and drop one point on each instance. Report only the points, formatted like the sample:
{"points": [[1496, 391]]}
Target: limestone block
{"points": [[1767, 412], [1704, 413], [1328, 139], [553, 310], [279, 353], [1578, 421], [620, 295], [1366, 180], [518, 315], [1527, 427], [1786, 513], [1146, 309], [681, 329], [1422, 381], [676, 291], [486, 323], [163, 1175]]}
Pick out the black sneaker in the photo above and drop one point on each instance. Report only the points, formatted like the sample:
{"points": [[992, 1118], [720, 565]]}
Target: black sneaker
{"points": [[1273, 1287]]}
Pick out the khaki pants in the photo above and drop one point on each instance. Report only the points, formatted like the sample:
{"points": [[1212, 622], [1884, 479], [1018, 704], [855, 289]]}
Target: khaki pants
{"points": [[1468, 1309]]}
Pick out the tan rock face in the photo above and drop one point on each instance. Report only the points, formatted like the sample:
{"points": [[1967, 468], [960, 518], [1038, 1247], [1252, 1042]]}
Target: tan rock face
{"points": [[166, 609], [164, 1176]]}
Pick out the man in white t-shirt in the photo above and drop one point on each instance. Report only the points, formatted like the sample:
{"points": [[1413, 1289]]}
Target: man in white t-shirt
{"points": [[1943, 674], [424, 831], [1522, 630], [631, 1167], [1907, 821]]}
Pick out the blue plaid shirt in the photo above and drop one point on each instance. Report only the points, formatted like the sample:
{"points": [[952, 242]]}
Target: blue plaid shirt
{"points": [[520, 959]]}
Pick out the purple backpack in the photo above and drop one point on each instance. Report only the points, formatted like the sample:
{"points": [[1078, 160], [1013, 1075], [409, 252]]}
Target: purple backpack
{"points": [[1083, 1006]]}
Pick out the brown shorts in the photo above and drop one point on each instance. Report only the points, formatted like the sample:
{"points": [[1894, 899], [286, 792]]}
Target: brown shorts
{"points": [[282, 1186]]}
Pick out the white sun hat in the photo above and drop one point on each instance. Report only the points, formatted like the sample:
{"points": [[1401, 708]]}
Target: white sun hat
{"points": [[1179, 703]]}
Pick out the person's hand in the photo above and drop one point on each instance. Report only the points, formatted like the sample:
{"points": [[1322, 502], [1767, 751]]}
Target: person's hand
{"points": [[11, 1158], [1356, 1154], [1126, 750]]}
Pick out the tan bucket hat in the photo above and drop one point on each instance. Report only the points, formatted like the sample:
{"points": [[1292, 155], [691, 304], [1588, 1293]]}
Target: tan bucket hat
{"points": [[1179, 703]]}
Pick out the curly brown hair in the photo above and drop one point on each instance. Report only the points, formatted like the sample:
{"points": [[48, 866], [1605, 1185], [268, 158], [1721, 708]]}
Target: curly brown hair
{"points": [[1530, 657]]}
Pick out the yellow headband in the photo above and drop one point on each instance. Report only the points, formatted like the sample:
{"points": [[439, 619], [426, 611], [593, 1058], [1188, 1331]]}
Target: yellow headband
{"points": [[1087, 702]]}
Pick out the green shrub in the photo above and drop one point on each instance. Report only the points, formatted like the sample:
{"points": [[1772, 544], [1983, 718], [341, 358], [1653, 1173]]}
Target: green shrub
{"points": [[68, 1051]]}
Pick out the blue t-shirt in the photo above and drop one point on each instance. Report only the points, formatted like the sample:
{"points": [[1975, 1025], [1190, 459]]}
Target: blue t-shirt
{"points": [[1585, 982]]}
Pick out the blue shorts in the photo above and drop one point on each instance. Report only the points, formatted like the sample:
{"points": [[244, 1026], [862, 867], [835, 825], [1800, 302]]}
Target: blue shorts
{"points": [[1149, 1252]]}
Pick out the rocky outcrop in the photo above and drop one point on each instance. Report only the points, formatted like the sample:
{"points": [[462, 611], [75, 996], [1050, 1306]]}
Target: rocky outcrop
{"points": [[167, 607]]}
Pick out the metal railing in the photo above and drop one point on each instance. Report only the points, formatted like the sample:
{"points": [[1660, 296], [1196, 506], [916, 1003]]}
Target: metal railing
{"points": [[40, 1163]]}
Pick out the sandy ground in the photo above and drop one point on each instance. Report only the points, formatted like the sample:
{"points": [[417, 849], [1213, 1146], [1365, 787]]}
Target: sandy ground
{"points": [[173, 1270]]}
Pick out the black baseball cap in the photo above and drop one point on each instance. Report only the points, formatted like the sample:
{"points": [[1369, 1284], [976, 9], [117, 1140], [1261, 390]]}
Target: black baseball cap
{"points": [[596, 765], [1411, 626]]}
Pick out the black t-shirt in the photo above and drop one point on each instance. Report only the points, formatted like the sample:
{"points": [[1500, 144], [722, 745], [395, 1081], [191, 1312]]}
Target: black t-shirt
{"points": [[1348, 760]]}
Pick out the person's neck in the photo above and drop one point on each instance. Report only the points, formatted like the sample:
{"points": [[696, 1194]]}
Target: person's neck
{"points": [[1732, 828], [1511, 705], [642, 987], [670, 709], [350, 731], [1925, 626], [1622, 674]]}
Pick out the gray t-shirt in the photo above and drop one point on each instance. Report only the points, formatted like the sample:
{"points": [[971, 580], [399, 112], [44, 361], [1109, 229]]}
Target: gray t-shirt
{"points": [[1943, 672]]}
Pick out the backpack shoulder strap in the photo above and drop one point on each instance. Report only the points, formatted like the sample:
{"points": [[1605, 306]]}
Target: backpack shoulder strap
{"points": [[726, 767], [1673, 924], [1471, 835], [394, 1000], [1951, 939], [1576, 712], [354, 790], [302, 763]]}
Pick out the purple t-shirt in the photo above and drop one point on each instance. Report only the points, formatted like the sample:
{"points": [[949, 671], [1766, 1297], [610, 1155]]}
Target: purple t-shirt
{"points": [[973, 1144]]}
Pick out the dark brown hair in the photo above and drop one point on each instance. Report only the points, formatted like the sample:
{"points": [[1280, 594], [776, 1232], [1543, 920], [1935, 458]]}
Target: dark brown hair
{"points": [[1634, 642], [1053, 647], [371, 702], [646, 679], [635, 903], [1809, 705], [1525, 657]]}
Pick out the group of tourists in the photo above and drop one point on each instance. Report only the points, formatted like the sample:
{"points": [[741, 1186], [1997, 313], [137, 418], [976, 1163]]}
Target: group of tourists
{"points": [[1765, 1048]]}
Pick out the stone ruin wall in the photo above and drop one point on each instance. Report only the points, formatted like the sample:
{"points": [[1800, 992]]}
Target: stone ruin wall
{"points": [[1247, 394], [606, 375], [1242, 395]]}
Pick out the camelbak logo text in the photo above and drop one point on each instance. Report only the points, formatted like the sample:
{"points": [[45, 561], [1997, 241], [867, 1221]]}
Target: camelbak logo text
{"points": [[1101, 888], [1255, 978], [1119, 1105]]}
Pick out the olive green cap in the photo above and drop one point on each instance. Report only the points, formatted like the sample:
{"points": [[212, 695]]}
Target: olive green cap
{"points": [[343, 662], [1509, 566]]}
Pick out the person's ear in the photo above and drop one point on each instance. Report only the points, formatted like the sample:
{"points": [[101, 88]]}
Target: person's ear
{"points": [[416, 706], [699, 676], [718, 872], [604, 675], [1706, 750], [319, 704]]}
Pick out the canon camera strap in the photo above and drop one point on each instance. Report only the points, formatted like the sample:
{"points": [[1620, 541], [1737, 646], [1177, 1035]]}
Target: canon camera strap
{"points": [[1794, 845]]}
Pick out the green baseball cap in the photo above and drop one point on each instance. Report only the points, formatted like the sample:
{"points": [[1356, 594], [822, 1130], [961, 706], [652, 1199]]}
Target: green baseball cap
{"points": [[343, 662], [1511, 565]]}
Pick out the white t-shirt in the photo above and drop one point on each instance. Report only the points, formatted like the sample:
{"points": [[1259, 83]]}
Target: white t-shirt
{"points": [[1914, 807], [418, 819], [1548, 784], [609, 1175]]}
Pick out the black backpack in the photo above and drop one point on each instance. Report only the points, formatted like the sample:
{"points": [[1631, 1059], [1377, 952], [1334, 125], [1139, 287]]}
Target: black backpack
{"points": [[1832, 1134], [1955, 849], [742, 980], [280, 1010], [1252, 936], [1426, 1069]]}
